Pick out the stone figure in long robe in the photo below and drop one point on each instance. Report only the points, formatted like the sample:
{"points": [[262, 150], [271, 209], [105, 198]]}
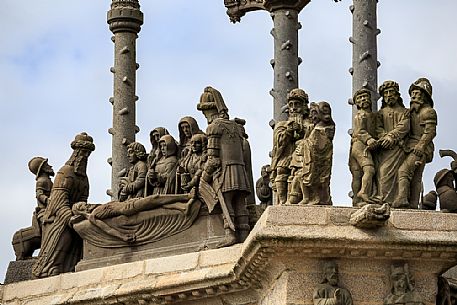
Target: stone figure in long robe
{"points": [[61, 246], [328, 292], [392, 128], [162, 176], [187, 127]]}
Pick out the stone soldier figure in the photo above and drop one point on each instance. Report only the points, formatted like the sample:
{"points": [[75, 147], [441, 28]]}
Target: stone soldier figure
{"points": [[285, 135], [226, 167], [402, 288], [27, 240], [419, 145], [363, 142], [328, 292], [392, 128], [133, 185], [60, 245]]}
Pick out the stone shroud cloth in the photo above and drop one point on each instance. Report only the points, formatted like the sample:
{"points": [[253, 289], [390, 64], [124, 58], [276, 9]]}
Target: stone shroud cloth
{"points": [[146, 226]]}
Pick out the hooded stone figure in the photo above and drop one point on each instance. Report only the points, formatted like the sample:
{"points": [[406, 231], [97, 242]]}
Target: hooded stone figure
{"points": [[187, 127], [154, 137], [162, 176]]}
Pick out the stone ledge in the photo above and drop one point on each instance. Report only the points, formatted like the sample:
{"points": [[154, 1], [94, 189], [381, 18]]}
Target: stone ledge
{"points": [[323, 232]]}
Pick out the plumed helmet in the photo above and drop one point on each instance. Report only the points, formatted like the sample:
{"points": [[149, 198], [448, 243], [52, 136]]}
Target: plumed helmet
{"points": [[360, 92], [36, 164], [298, 94], [212, 99], [440, 176], [83, 141], [424, 85], [389, 84]]}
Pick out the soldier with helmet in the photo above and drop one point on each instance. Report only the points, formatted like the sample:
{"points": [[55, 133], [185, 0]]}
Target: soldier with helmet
{"points": [[285, 136], [419, 145]]}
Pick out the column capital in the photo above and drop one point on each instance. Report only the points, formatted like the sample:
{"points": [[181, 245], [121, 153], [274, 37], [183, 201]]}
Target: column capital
{"points": [[125, 16], [238, 8]]}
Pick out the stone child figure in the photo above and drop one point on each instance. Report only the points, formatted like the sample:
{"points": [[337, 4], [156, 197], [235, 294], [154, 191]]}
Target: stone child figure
{"points": [[225, 169], [285, 134], [132, 186], [392, 127], [27, 240], [328, 292], [60, 245], [263, 188], [402, 288], [363, 142], [191, 166], [419, 146]]}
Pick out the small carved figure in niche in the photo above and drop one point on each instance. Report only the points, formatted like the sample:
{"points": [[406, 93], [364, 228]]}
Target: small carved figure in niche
{"points": [[363, 142], [444, 183], [318, 155], [402, 287], [162, 176], [60, 245], [191, 166], [392, 127], [132, 186], [187, 127], [263, 188], [226, 165], [328, 292], [27, 240], [419, 146], [285, 134]]}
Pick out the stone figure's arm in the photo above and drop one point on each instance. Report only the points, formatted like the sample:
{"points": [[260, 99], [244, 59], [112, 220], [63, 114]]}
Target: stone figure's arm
{"points": [[60, 196], [363, 135], [319, 299], [41, 191], [402, 127], [213, 163], [140, 180], [429, 120]]}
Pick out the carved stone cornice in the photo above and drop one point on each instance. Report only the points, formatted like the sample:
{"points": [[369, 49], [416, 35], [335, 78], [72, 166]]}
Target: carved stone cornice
{"points": [[125, 16], [238, 8]]}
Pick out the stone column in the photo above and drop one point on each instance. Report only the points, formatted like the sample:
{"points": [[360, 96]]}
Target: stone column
{"points": [[285, 33], [364, 48], [125, 20], [286, 60]]}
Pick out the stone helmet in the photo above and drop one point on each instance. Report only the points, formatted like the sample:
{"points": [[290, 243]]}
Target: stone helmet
{"points": [[424, 85], [212, 99], [439, 176], [298, 94], [83, 141], [36, 164]]}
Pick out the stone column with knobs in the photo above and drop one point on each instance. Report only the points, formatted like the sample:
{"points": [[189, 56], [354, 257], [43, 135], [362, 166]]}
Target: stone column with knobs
{"points": [[125, 20]]}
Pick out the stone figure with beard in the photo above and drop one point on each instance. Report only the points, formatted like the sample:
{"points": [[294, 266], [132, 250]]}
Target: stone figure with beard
{"points": [[328, 292]]}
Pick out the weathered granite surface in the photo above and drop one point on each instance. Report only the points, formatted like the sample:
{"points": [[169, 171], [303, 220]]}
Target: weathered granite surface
{"points": [[280, 263]]}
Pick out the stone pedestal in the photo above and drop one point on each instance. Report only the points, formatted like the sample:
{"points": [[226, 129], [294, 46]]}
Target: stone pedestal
{"points": [[280, 263]]}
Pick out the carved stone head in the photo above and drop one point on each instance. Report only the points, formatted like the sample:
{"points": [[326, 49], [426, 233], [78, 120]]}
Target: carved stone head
{"points": [[421, 93], [135, 152], [390, 93], [167, 145], [362, 99], [199, 143], [212, 105], [331, 273], [297, 102]]}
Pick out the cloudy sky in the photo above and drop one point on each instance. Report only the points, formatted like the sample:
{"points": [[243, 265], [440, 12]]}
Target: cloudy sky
{"points": [[55, 80]]}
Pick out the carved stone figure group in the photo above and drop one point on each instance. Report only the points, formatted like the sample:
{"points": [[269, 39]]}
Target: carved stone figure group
{"points": [[161, 192], [402, 287], [302, 152], [389, 149]]}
